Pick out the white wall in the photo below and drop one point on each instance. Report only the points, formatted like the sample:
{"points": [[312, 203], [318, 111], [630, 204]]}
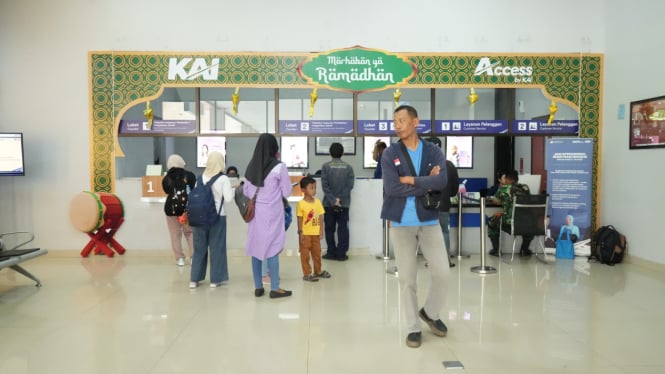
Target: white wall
{"points": [[44, 72], [631, 180]]}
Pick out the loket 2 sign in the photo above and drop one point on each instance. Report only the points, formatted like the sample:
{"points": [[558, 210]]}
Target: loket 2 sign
{"points": [[357, 69]]}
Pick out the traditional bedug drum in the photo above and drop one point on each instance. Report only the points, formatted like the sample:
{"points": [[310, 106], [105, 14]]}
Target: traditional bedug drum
{"points": [[99, 214]]}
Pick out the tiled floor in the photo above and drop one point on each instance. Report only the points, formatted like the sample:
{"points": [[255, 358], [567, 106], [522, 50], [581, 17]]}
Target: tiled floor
{"points": [[135, 314]]}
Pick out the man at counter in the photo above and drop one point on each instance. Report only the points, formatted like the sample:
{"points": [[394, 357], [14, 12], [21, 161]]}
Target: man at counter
{"points": [[508, 188], [412, 225], [337, 179]]}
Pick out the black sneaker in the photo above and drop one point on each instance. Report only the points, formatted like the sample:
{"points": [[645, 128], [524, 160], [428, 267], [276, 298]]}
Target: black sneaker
{"points": [[342, 258], [413, 339], [494, 252], [437, 327], [329, 256]]}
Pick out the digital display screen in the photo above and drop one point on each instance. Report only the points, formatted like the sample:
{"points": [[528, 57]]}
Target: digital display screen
{"points": [[11, 154], [294, 152], [323, 144], [459, 151], [207, 144], [368, 149]]}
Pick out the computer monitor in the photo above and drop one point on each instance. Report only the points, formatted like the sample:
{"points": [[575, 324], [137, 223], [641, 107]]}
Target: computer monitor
{"points": [[11, 154], [531, 180]]}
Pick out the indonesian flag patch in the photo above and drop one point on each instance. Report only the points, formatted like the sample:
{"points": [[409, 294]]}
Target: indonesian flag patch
{"points": [[396, 161]]}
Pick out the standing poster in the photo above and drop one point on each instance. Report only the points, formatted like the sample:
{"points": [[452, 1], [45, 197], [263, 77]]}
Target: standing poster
{"points": [[569, 166]]}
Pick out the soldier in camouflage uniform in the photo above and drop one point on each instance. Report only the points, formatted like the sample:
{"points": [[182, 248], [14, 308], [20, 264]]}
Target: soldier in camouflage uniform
{"points": [[509, 188]]}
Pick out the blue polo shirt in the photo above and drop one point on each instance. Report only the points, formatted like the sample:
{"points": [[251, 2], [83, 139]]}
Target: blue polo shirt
{"points": [[409, 215]]}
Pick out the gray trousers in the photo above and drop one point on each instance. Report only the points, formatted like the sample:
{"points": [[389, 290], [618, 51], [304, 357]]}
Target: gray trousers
{"points": [[406, 241]]}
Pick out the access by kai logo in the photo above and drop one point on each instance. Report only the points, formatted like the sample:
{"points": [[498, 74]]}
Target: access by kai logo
{"points": [[522, 74], [189, 69]]}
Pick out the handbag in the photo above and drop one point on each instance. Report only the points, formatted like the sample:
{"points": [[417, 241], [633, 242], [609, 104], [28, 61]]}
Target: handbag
{"points": [[248, 215], [564, 246], [431, 199], [246, 205]]}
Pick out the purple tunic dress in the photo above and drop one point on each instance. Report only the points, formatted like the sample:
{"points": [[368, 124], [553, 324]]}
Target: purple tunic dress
{"points": [[265, 233]]}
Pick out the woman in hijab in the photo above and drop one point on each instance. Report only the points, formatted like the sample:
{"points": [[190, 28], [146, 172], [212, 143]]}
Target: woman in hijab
{"points": [[232, 172], [176, 183], [379, 147], [266, 233], [212, 238], [572, 229]]}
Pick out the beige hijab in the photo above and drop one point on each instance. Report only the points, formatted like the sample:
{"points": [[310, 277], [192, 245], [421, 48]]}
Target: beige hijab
{"points": [[214, 165], [175, 161]]}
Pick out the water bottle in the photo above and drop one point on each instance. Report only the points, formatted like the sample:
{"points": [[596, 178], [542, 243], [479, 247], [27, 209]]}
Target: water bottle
{"points": [[462, 188]]}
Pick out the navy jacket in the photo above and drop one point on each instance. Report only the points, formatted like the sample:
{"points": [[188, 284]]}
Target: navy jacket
{"points": [[394, 164]]}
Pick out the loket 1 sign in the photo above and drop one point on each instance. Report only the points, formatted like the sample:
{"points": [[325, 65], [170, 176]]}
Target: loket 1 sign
{"points": [[357, 69]]}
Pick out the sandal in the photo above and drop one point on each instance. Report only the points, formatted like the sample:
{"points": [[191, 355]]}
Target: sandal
{"points": [[310, 278], [323, 274]]}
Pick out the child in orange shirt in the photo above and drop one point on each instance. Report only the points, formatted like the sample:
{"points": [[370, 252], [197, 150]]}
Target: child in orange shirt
{"points": [[310, 231]]}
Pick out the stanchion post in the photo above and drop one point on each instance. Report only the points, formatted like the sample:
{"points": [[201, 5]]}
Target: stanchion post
{"points": [[386, 241], [460, 254], [483, 269]]}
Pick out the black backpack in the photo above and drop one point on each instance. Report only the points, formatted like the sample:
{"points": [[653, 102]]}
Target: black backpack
{"points": [[608, 245], [201, 209], [176, 201]]}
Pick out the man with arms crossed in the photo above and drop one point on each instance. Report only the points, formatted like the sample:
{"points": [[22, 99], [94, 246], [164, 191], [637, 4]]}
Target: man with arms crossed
{"points": [[412, 225]]}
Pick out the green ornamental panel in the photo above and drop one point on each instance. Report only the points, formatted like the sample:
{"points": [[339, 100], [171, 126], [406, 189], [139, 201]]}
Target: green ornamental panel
{"points": [[119, 80]]}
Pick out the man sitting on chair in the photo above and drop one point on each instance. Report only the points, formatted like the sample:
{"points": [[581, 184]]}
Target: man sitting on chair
{"points": [[507, 189]]}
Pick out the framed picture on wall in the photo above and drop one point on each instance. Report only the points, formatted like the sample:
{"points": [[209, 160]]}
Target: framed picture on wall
{"points": [[459, 150], [368, 149], [207, 144], [323, 144], [647, 123], [294, 152]]}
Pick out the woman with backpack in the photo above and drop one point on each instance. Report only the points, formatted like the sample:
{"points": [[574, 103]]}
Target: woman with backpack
{"points": [[211, 237], [177, 183]]}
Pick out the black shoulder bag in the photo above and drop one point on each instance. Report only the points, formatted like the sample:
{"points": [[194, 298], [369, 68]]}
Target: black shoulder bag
{"points": [[431, 199]]}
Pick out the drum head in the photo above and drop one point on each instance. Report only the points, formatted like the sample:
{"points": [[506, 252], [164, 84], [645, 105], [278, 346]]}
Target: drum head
{"points": [[86, 211]]}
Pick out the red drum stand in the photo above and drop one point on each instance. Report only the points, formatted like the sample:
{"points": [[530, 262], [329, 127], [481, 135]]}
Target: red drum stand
{"points": [[100, 215]]}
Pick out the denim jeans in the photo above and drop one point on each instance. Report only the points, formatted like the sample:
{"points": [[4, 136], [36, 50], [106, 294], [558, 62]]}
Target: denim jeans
{"points": [[211, 239], [444, 222], [273, 268], [337, 222]]}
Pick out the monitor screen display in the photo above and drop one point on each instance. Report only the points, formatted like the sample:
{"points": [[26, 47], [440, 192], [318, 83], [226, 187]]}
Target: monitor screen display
{"points": [[294, 152], [11, 154], [323, 144], [459, 151], [207, 144], [368, 151]]}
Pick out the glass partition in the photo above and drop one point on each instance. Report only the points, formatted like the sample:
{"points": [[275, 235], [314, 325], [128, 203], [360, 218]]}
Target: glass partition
{"points": [[453, 104], [295, 104], [175, 118], [255, 111], [379, 105], [174, 112]]}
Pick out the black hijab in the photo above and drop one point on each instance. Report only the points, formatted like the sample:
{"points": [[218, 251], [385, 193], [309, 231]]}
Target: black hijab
{"points": [[263, 160]]}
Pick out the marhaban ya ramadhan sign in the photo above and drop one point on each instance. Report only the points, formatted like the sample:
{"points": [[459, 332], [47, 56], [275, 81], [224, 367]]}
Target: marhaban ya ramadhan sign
{"points": [[357, 69]]}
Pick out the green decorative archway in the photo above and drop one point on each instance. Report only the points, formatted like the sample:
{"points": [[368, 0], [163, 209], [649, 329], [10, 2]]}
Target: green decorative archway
{"points": [[119, 80]]}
